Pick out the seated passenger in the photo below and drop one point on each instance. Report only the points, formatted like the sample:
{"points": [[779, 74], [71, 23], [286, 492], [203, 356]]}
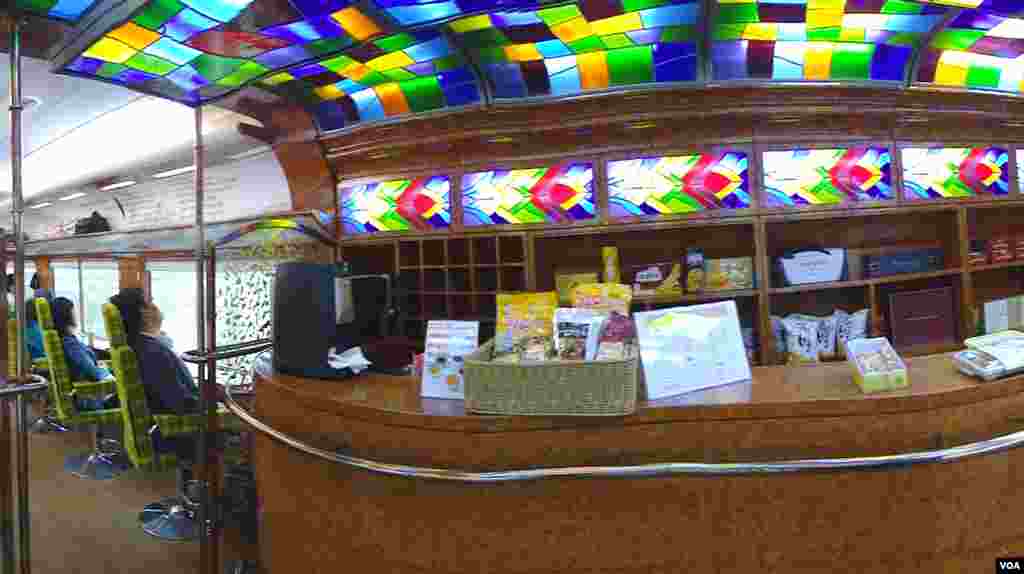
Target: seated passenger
{"points": [[33, 332], [168, 383], [81, 359]]}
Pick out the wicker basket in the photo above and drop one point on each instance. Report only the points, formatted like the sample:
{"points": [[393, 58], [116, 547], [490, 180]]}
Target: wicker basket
{"points": [[553, 388]]}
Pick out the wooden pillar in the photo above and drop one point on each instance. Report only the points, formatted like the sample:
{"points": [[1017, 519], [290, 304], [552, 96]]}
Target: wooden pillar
{"points": [[45, 273], [131, 271]]}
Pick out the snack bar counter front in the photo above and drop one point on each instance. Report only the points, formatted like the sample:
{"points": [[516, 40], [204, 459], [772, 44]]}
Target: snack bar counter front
{"points": [[794, 471]]}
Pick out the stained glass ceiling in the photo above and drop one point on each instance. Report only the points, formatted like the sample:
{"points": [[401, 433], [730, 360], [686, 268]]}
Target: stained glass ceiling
{"points": [[369, 60], [65, 10]]}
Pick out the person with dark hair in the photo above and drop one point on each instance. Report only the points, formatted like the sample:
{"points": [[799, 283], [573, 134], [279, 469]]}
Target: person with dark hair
{"points": [[80, 358], [168, 383], [33, 333]]}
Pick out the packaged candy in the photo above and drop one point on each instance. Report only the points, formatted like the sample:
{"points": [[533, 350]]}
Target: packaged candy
{"points": [[524, 319], [801, 339], [610, 259], [849, 327], [603, 297], [577, 332], [779, 332], [566, 282], [618, 338]]}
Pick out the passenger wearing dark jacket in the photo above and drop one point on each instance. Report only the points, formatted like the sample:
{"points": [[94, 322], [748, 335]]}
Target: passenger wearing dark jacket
{"points": [[167, 381]]}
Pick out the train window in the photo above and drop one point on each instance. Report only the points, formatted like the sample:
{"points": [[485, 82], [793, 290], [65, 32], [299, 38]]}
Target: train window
{"points": [[100, 281], [66, 281], [173, 289]]}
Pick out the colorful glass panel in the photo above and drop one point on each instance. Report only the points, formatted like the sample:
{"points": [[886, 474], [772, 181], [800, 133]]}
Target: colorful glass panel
{"points": [[67, 10], [585, 46], [827, 176], [818, 40], [678, 184], [979, 49], [392, 76], [194, 51], [557, 194], [944, 173], [399, 205]]}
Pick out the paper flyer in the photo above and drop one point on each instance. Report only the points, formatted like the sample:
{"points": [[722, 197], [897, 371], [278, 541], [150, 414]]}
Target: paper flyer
{"points": [[447, 344]]}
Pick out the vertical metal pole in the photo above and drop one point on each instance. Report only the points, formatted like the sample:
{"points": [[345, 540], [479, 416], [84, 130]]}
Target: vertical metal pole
{"points": [[18, 212], [206, 553], [212, 426]]}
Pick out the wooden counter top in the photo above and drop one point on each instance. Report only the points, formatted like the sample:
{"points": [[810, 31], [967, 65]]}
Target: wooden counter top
{"points": [[822, 390]]}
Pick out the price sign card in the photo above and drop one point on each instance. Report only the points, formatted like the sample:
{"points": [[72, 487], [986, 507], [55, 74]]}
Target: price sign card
{"points": [[686, 349], [447, 344]]}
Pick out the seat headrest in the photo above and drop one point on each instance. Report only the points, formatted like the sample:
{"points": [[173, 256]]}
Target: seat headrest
{"points": [[115, 326], [43, 313]]}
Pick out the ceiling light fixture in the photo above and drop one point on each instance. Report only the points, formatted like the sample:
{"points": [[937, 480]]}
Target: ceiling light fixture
{"points": [[118, 185], [73, 196], [41, 205], [174, 172]]}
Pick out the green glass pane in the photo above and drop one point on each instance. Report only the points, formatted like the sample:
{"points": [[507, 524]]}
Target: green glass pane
{"points": [[983, 76], [484, 38], [214, 68], [395, 42], [726, 32], [423, 94], [616, 41], [851, 62], [559, 14], [399, 74], [630, 65], [737, 14], [904, 39], [634, 5], [244, 73], [151, 64], [956, 39], [492, 54], [448, 63], [588, 44], [37, 6], [374, 79], [827, 34], [328, 46], [157, 12], [109, 70], [679, 34], [901, 7], [337, 63]]}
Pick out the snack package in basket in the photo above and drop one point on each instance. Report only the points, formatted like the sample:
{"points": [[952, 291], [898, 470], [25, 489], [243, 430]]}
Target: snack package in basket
{"points": [[618, 338], [524, 329], [577, 332], [603, 297]]}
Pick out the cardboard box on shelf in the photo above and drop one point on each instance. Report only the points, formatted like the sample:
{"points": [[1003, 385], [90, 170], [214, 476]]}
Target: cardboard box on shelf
{"points": [[655, 278]]}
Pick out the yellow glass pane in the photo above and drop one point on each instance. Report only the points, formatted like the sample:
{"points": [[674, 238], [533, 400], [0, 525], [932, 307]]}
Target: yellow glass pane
{"points": [[818, 61], [523, 53], [392, 99], [277, 79], [835, 5], [617, 24], [134, 35], [824, 18], [760, 32], [390, 61], [357, 24], [110, 50], [471, 24], [593, 70], [356, 71], [572, 30], [951, 71], [329, 92], [852, 35]]}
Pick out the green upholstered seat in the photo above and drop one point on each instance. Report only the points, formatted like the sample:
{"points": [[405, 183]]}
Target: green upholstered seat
{"points": [[63, 392], [12, 345], [137, 419], [84, 388]]}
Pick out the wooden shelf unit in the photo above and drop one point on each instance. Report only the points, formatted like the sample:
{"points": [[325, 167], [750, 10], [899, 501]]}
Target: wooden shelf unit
{"points": [[457, 277]]}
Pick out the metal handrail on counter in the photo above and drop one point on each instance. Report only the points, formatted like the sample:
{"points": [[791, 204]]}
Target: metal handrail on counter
{"points": [[228, 351], [991, 446]]}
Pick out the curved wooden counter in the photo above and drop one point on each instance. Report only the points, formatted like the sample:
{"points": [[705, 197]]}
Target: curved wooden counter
{"points": [[958, 515]]}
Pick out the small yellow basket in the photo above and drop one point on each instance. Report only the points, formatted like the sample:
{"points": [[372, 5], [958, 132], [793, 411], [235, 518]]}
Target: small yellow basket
{"points": [[550, 388]]}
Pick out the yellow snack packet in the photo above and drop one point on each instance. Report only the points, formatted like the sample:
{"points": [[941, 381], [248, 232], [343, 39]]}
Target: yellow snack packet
{"points": [[603, 297], [524, 319]]}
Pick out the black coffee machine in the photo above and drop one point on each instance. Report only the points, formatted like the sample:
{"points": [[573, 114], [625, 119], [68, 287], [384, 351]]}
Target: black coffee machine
{"points": [[318, 307]]}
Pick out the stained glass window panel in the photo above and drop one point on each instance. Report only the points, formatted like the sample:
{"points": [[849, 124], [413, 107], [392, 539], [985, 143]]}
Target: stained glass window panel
{"points": [[827, 176], [979, 49], [67, 10], [818, 40], [947, 173], [678, 184], [586, 46], [556, 194], [419, 204]]}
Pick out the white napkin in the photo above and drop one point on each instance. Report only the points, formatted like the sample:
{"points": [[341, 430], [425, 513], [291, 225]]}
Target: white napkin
{"points": [[352, 358]]}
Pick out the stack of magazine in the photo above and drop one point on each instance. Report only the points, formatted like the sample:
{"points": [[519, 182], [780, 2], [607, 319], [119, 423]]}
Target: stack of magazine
{"points": [[992, 356]]}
